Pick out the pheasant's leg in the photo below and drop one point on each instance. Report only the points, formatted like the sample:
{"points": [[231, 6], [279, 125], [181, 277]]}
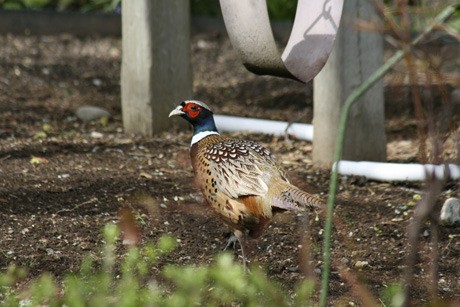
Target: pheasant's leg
{"points": [[241, 236], [231, 242]]}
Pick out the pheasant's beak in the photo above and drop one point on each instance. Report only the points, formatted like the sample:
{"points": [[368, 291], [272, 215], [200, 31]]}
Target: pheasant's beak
{"points": [[176, 111]]}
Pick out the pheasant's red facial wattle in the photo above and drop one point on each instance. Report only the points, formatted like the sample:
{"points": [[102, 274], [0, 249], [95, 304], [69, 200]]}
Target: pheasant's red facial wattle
{"points": [[193, 110]]}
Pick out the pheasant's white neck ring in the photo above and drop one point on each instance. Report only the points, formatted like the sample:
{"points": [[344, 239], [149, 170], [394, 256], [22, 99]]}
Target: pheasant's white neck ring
{"points": [[201, 135]]}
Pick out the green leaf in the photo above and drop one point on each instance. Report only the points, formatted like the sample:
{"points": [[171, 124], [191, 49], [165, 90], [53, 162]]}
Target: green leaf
{"points": [[35, 4], [392, 295]]}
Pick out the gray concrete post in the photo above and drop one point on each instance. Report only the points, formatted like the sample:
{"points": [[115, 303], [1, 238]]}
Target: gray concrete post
{"points": [[356, 55], [156, 71]]}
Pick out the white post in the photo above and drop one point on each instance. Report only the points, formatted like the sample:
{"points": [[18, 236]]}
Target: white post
{"points": [[156, 70], [356, 55]]}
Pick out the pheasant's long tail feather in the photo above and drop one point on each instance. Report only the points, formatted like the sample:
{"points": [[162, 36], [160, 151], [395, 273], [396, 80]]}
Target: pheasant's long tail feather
{"points": [[305, 199], [292, 198]]}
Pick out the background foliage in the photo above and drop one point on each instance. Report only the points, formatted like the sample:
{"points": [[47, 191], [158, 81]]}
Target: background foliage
{"points": [[278, 9]]}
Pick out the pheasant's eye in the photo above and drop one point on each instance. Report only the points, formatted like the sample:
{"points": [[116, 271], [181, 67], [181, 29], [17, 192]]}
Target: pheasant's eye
{"points": [[193, 110]]}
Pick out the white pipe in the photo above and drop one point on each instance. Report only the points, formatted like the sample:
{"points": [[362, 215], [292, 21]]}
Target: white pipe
{"points": [[395, 171], [275, 127], [372, 170]]}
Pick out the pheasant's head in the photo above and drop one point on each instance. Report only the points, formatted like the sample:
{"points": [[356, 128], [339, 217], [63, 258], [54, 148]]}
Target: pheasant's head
{"points": [[199, 115]]}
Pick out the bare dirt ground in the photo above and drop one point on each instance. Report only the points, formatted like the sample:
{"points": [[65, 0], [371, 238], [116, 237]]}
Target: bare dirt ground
{"points": [[62, 180]]}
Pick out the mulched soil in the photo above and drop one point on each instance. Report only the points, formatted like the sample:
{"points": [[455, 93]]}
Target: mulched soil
{"points": [[61, 180]]}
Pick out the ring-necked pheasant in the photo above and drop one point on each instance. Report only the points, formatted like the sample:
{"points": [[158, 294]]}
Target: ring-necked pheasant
{"points": [[239, 179]]}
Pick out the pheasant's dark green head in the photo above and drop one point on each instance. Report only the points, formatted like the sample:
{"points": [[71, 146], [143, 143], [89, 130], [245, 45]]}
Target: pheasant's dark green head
{"points": [[199, 115]]}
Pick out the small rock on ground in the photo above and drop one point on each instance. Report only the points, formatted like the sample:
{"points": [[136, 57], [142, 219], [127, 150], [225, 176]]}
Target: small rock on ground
{"points": [[90, 113], [450, 212]]}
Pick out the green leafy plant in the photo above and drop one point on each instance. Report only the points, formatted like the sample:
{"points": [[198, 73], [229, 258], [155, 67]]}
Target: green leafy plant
{"points": [[101, 5], [282, 9], [392, 295], [59, 5], [129, 282], [278, 9]]}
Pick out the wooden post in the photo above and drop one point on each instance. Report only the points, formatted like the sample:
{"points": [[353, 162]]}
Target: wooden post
{"points": [[156, 70], [356, 55]]}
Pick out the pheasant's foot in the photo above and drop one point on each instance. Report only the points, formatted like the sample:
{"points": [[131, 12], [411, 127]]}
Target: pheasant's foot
{"points": [[231, 242]]}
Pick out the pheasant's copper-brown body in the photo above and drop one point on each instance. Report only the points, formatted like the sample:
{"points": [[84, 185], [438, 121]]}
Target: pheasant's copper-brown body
{"points": [[239, 179], [243, 183]]}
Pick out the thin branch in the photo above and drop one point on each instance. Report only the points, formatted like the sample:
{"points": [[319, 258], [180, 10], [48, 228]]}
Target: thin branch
{"points": [[92, 200], [434, 256], [422, 212]]}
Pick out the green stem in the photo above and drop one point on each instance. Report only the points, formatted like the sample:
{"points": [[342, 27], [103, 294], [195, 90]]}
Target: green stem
{"points": [[354, 96]]}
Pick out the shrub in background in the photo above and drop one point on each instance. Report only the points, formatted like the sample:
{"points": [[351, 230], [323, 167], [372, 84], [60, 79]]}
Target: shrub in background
{"points": [[278, 9]]}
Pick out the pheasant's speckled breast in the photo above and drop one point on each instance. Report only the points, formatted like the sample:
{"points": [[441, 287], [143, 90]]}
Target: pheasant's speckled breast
{"points": [[237, 178]]}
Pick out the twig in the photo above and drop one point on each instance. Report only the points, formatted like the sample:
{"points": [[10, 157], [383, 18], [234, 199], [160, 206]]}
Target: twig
{"points": [[422, 212], [357, 288], [5, 158], [434, 255], [92, 200], [290, 123], [136, 154]]}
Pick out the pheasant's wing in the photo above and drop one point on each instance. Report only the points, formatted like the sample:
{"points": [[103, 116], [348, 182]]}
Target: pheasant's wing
{"points": [[241, 167]]}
